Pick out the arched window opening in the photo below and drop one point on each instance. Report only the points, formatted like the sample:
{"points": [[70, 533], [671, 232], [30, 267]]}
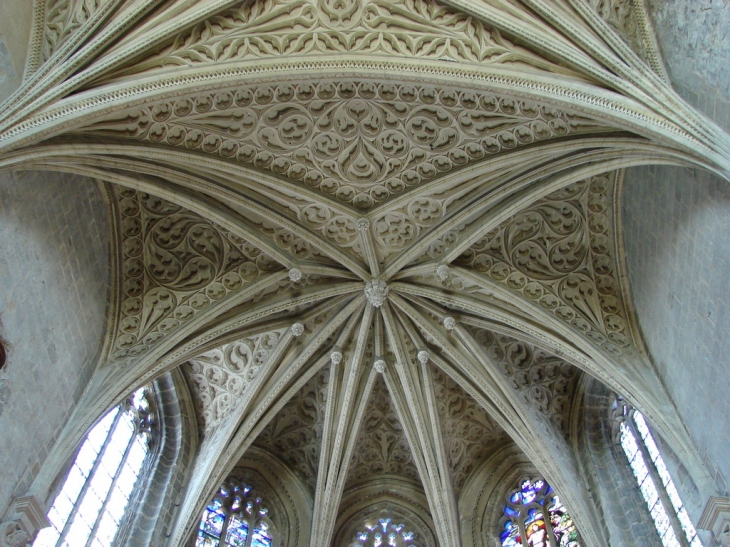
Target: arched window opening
{"points": [[235, 518], [670, 517], [385, 532], [94, 498], [524, 523]]}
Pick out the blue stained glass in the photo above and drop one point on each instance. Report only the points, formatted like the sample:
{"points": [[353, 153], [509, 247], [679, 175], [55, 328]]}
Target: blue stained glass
{"points": [[237, 532], [529, 492], [213, 523], [511, 535], [533, 518]]}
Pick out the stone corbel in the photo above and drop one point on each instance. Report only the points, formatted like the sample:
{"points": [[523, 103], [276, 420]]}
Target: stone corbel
{"points": [[716, 519], [29, 517]]}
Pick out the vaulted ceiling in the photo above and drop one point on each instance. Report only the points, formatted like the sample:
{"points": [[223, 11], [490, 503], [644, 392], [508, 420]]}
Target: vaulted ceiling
{"points": [[380, 237]]}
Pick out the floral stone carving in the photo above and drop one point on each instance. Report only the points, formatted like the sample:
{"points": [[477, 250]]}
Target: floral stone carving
{"points": [[221, 376], [381, 447], [175, 265], [360, 142], [295, 433]]}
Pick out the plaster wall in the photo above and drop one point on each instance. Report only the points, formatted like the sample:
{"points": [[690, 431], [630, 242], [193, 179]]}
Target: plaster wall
{"points": [[54, 282]]}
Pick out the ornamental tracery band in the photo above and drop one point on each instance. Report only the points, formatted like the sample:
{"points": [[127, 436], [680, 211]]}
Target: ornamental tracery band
{"points": [[358, 141]]}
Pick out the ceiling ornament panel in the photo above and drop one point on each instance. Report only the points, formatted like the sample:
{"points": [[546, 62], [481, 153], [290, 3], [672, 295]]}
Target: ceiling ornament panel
{"points": [[409, 133], [631, 20], [221, 376], [65, 17], [295, 433], [381, 447], [417, 29], [359, 142], [469, 433], [175, 266], [545, 381], [560, 254]]}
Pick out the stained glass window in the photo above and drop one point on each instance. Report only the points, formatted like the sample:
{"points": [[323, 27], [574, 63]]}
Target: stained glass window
{"points": [[235, 518], [655, 484], [534, 516], [95, 496], [384, 532]]}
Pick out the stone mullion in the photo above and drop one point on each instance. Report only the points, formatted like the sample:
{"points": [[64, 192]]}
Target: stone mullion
{"points": [[115, 480], [498, 406], [405, 412], [660, 488], [642, 386], [488, 212], [92, 472], [562, 469], [363, 226], [545, 326], [59, 82], [427, 382], [48, 78], [648, 85], [439, 446], [101, 168], [328, 431], [600, 64], [327, 498]]}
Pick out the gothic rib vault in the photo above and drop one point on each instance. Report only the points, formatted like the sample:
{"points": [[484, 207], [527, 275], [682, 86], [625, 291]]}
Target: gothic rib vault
{"points": [[380, 237]]}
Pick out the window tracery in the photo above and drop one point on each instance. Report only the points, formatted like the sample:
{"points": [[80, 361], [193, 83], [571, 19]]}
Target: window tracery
{"points": [[385, 532], [95, 496], [235, 518], [524, 523], [670, 517]]}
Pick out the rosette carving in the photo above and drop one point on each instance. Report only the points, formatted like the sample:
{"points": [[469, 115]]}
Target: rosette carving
{"points": [[175, 265], [360, 142], [221, 376]]}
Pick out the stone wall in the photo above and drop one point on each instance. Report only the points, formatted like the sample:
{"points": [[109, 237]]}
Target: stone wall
{"points": [[16, 18], [54, 283], [694, 38], [676, 230]]}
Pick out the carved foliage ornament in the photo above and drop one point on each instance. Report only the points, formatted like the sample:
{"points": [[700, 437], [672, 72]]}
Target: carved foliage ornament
{"points": [[560, 254], [544, 381], [175, 265], [395, 28], [381, 447], [295, 433], [63, 18], [222, 375], [358, 141], [468, 432], [620, 14]]}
